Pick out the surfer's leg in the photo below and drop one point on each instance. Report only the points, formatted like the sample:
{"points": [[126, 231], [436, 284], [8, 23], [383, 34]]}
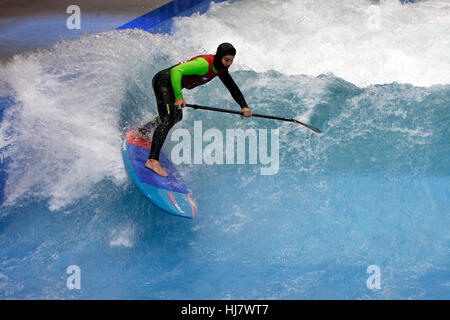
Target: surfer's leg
{"points": [[168, 116], [167, 113]]}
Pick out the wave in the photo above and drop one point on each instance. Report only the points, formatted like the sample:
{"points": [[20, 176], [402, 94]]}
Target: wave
{"points": [[370, 190], [74, 101], [360, 41]]}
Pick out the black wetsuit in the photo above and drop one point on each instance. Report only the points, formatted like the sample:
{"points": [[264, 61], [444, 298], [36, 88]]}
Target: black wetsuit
{"points": [[169, 114]]}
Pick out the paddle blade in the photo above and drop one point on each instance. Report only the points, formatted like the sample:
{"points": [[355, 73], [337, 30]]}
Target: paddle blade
{"points": [[316, 130]]}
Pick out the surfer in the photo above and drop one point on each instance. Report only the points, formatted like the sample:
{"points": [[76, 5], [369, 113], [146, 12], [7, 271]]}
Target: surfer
{"points": [[167, 85]]}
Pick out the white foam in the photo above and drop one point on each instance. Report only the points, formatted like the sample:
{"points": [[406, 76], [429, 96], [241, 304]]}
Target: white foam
{"points": [[67, 122], [122, 238], [356, 40]]}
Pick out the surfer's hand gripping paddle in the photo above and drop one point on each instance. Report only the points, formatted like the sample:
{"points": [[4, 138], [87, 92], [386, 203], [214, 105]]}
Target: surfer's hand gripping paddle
{"points": [[195, 106]]}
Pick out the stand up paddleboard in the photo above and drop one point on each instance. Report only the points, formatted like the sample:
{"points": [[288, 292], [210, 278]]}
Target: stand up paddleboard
{"points": [[168, 193]]}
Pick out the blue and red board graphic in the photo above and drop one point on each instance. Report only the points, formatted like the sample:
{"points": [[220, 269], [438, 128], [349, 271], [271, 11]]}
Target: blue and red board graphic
{"points": [[168, 193]]}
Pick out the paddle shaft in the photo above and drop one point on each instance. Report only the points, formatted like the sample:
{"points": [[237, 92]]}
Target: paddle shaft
{"points": [[195, 106]]}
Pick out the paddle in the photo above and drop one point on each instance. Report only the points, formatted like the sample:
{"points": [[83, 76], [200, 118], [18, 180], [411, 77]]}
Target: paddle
{"points": [[254, 115]]}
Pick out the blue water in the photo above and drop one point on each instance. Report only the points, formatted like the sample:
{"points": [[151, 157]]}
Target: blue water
{"points": [[373, 189]]}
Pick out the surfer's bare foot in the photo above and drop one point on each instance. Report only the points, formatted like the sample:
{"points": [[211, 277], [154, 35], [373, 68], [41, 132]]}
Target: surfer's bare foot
{"points": [[156, 167]]}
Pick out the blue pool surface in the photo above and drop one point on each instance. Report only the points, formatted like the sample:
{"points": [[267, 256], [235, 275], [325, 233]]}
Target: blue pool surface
{"points": [[372, 190]]}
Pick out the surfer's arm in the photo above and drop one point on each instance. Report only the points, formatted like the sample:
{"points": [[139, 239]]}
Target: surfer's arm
{"points": [[233, 88], [198, 67]]}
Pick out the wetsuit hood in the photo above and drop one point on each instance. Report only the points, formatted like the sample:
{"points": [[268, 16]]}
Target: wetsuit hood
{"points": [[223, 49]]}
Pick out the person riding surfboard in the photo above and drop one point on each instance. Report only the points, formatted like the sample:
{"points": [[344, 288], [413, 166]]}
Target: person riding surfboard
{"points": [[167, 85]]}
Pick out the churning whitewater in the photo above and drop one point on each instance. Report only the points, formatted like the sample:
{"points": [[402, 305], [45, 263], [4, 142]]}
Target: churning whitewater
{"points": [[372, 190]]}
